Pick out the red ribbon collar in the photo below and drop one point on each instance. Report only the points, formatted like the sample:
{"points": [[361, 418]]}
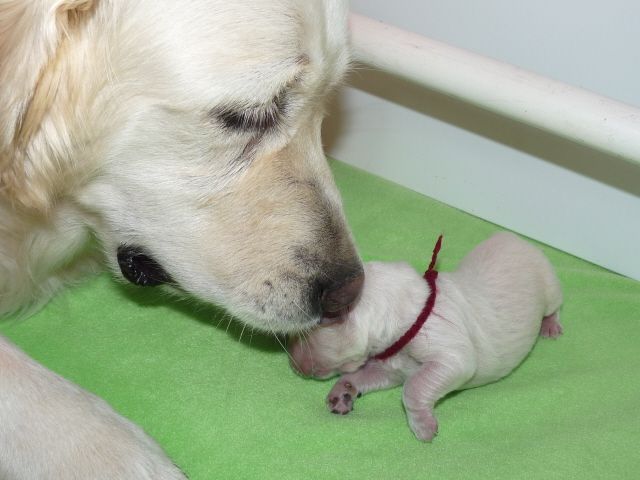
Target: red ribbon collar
{"points": [[430, 276]]}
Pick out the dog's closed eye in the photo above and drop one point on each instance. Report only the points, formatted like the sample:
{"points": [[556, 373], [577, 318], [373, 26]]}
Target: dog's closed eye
{"points": [[255, 119], [251, 119]]}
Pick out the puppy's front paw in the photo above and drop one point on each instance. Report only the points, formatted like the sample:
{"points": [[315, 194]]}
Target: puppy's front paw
{"points": [[423, 424], [341, 397]]}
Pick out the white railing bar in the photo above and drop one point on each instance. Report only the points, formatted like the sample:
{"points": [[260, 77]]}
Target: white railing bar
{"points": [[562, 109]]}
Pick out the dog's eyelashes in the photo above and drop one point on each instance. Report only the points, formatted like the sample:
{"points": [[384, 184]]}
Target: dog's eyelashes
{"points": [[253, 119]]}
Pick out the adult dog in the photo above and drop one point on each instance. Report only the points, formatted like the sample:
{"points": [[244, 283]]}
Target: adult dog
{"points": [[185, 137]]}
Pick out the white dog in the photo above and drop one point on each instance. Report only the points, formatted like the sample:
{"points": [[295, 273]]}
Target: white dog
{"points": [[485, 320], [185, 138]]}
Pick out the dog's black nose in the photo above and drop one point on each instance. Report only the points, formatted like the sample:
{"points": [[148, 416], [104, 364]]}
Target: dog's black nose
{"points": [[140, 268], [337, 298]]}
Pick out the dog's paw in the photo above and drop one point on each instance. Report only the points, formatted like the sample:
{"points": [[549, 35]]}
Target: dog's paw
{"points": [[550, 327], [341, 397], [423, 424]]}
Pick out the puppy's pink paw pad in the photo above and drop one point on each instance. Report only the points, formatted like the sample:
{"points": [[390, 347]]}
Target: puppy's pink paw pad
{"points": [[550, 327], [341, 397]]}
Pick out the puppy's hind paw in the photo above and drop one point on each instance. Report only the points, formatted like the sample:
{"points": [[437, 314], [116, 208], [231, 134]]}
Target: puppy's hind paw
{"points": [[423, 424], [550, 327], [341, 397]]}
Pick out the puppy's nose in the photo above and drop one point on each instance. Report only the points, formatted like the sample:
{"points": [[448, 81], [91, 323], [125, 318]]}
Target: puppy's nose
{"points": [[336, 299]]}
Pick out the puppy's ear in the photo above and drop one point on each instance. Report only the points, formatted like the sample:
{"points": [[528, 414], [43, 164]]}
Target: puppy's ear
{"points": [[36, 40]]}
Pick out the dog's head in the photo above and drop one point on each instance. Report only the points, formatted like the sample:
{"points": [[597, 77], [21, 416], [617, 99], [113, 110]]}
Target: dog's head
{"points": [[188, 135]]}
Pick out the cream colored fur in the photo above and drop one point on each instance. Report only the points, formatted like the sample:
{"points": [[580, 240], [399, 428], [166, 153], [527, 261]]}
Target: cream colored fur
{"points": [[109, 126], [52, 429], [112, 132], [487, 316]]}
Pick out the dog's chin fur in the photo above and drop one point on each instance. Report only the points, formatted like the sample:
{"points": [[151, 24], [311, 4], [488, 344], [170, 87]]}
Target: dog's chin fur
{"points": [[142, 123]]}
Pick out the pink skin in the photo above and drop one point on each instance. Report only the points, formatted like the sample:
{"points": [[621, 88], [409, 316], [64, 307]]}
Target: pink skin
{"points": [[421, 390], [436, 378], [300, 360], [424, 388], [420, 393], [310, 361], [305, 363], [372, 376], [550, 327]]}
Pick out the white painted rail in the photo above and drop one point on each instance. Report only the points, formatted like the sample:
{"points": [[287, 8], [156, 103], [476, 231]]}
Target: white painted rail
{"points": [[564, 110]]}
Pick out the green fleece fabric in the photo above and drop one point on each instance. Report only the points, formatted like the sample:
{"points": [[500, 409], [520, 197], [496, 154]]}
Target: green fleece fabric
{"points": [[225, 404]]}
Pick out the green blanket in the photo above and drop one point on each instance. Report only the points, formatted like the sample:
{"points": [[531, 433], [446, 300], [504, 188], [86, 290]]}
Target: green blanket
{"points": [[224, 403]]}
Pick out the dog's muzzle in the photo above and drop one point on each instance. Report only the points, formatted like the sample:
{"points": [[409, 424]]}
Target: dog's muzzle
{"points": [[140, 268]]}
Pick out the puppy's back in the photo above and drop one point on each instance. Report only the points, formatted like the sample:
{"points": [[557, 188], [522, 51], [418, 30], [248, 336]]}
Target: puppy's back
{"points": [[507, 263], [508, 286]]}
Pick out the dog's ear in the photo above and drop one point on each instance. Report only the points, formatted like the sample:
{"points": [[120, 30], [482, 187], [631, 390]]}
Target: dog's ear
{"points": [[36, 38]]}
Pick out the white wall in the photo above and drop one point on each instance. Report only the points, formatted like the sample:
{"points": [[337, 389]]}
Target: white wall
{"points": [[565, 195]]}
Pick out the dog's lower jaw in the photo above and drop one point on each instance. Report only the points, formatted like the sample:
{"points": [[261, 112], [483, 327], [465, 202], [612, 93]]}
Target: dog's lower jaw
{"points": [[291, 322]]}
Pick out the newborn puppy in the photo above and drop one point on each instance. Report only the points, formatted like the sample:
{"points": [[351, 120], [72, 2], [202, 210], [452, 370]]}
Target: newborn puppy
{"points": [[486, 318]]}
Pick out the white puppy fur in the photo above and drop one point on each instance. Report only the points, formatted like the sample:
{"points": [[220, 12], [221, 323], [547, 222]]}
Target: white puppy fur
{"points": [[190, 130], [487, 316]]}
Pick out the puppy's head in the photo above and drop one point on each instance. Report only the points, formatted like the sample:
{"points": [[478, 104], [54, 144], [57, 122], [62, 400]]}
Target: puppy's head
{"points": [[392, 296], [341, 344], [189, 137], [339, 347]]}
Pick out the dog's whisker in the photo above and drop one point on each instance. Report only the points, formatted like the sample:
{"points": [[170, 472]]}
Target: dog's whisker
{"points": [[241, 332], [305, 341], [282, 345], [222, 317], [301, 310]]}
